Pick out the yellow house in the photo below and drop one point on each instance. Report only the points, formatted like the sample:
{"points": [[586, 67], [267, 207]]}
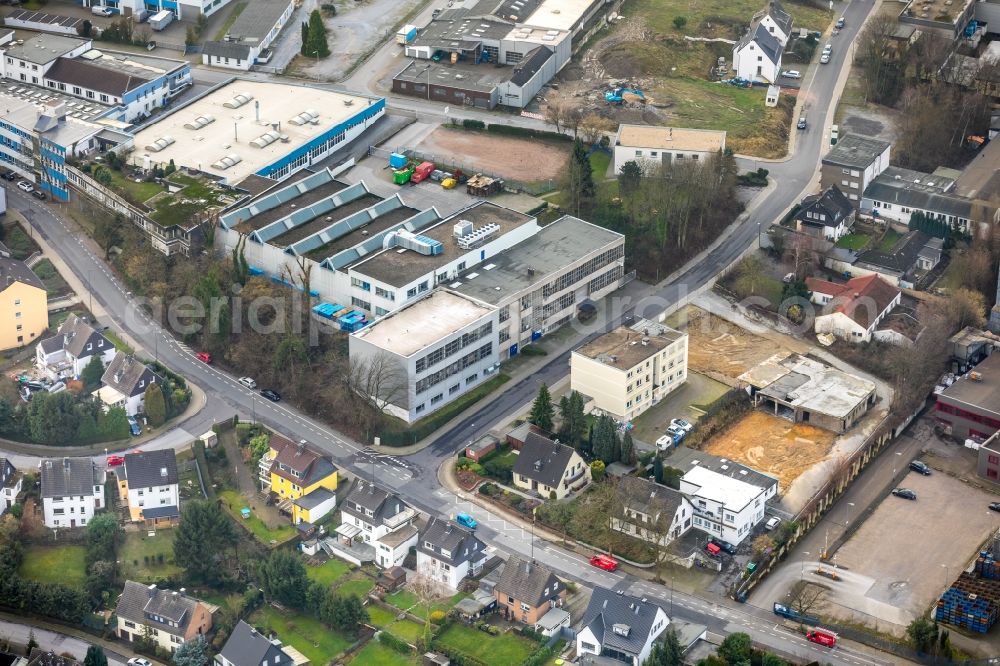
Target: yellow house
{"points": [[304, 480], [24, 313]]}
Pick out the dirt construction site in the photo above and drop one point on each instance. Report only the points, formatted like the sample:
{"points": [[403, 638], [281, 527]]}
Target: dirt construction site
{"points": [[507, 157]]}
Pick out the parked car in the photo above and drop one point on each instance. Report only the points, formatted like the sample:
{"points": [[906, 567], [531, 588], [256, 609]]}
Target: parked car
{"points": [[824, 59], [102, 11], [25, 186], [772, 523], [248, 382], [605, 562], [10, 175], [905, 493], [724, 545], [38, 194], [134, 427], [114, 461], [713, 549], [828, 48], [271, 395], [802, 122], [994, 506], [792, 74], [435, 13], [465, 520], [822, 636], [678, 432], [665, 442], [682, 424], [204, 357], [840, 22], [139, 661], [918, 466], [57, 387]]}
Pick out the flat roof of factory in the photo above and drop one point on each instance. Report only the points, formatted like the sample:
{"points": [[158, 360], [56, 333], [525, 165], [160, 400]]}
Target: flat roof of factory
{"points": [[232, 129]]}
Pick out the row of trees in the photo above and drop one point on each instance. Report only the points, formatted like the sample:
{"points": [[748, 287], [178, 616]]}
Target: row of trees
{"points": [[314, 44], [602, 440], [61, 418]]}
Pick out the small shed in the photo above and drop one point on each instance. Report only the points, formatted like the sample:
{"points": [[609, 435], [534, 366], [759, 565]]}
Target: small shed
{"points": [[515, 438], [391, 579], [552, 622], [771, 98], [209, 439], [482, 447], [435, 659]]}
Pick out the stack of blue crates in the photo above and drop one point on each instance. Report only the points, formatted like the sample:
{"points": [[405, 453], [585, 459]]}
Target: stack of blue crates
{"points": [[967, 610]]}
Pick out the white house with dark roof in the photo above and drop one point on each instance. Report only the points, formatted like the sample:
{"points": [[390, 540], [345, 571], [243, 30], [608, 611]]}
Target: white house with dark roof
{"points": [[72, 491], [650, 511], [447, 553], [381, 519], [827, 215], [69, 351], [11, 484], [549, 469], [125, 382], [170, 618], [757, 56], [148, 486], [727, 504], [620, 627], [775, 20], [248, 647]]}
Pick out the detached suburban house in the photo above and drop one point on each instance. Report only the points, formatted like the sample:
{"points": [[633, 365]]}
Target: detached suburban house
{"points": [[68, 352], [72, 491], [854, 310], [248, 647], [828, 215], [304, 479], [775, 20], [527, 591], [147, 485], [620, 626], [125, 382], [448, 553], [11, 483], [381, 519], [757, 57], [650, 511], [170, 618], [549, 469]]}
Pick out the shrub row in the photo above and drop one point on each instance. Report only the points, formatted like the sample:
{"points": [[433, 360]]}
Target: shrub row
{"points": [[396, 644]]}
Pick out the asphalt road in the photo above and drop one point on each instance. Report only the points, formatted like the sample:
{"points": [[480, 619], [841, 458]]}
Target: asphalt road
{"points": [[53, 641], [415, 477]]}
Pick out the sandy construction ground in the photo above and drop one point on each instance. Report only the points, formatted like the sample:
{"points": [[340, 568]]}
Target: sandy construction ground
{"points": [[526, 160], [773, 445]]}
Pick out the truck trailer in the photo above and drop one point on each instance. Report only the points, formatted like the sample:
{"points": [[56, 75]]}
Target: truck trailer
{"points": [[406, 34], [161, 20]]}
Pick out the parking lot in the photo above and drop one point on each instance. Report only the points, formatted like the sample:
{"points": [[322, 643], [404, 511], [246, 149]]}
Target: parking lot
{"points": [[931, 539]]}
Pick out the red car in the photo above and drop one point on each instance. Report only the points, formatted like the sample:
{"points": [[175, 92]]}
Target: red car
{"points": [[713, 549], [114, 461], [204, 357], [822, 636], [605, 562]]}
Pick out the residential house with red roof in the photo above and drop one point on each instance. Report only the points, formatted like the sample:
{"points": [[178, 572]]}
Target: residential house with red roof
{"points": [[853, 310]]}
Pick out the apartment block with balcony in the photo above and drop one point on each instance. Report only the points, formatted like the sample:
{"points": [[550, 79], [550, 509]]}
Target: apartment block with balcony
{"points": [[447, 553], [379, 518], [303, 479], [627, 371], [72, 491]]}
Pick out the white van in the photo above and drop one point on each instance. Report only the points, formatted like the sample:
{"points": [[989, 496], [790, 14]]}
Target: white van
{"points": [[102, 11]]}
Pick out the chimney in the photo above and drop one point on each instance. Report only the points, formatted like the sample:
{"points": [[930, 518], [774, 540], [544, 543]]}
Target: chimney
{"points": [[301, 447], [66, 463], [184, 590], [173, 595], [152, 590], [604, 605]]}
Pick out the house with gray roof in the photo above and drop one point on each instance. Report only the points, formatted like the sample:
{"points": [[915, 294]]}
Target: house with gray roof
{"points": [[620, 627], [11, 484], [247, 40], [757, 56], [527, 590], [248, 647], [125, 382], [896, 194], [68, 352], [72, 491], [447, 553], [549, 469], [827, 215], [169, 617], [148, 486], [775, 20], [853, 163], [650, 511], [382, 519]]}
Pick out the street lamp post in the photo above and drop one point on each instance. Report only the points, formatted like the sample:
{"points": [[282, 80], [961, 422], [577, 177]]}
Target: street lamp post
{"points": [[802, 573], [758, 235], [316, 53], [895, 463]]}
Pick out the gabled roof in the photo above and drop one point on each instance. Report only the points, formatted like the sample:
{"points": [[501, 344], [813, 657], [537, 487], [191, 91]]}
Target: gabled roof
{"points": [[365, 496], [310, 465], [149, 469], [40, 657], [765, 41], [7, 473], [12, 270], [862, 299], [653, 499], [73, 71], [444, 535], [901, 257], [65, 477], [530, 65], [74, 335], [778, 14], [543, 460], [138, 602], [826, 209], [128, 375], [528, 582], [234, 50], [248, 647], [620, 621]]}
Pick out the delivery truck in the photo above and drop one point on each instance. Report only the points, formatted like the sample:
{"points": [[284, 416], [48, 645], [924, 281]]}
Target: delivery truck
{"points": [[406, 34], [822, 637]]}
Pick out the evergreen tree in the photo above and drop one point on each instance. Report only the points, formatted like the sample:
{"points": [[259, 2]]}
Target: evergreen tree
{"points": [[304, 28], [92, 373], [192, 653], [202, 536], [736, 648], [579, 179], [658, 469], [629, 178], [604, 440], [667, 652], [542, 411], [95, 656], [572, 420], [628, 449], [315, 44], [284, 579], [155, 405]]}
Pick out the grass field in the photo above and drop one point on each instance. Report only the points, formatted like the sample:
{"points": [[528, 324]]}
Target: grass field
{"points": [[380, 617], [183, 205], [888, 240], [139, 556], [20, 244], [306, 634], [376, 654], [329, 572], [853, 241], [55, 564], [406, 600], [500, 650], [406, 630], [119, 344], [133, 191], [359, 587], [233, 15], [716, 18], [54, 283], [264, 534]]}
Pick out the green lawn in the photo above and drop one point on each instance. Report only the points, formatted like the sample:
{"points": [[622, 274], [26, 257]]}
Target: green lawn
{"points": [[376, 654], [888, 240], [194, 199], [406, 600], [723, 15], [406, 630], [135, 192], [380, 617], [20, 244], [55, 564], [119, 344], [256, 526], [853, 241], [359, 587], [55, 285], [306, 634], [329, 572], [501, 650], [233, 15], [599, 162], [138, 546]]}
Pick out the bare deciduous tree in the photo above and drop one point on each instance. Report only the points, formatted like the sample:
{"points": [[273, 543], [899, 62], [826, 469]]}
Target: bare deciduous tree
{"points": [[805, 597], [593, 126], [378, 381]]}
